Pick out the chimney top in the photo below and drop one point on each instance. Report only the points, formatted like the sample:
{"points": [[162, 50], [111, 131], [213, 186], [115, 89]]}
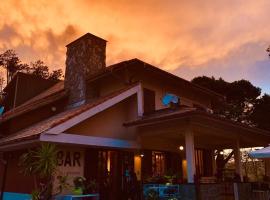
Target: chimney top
{"points": [[86, 56], [86, 36]]}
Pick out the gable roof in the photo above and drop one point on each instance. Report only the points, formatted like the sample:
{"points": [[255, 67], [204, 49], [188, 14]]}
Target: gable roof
{"points": [[146, 66], [57, 92], [35, 130], [50, 95]]}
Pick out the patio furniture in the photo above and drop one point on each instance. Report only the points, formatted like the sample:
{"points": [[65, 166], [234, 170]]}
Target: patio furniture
{"points": [[163, 191], [17, 196]]}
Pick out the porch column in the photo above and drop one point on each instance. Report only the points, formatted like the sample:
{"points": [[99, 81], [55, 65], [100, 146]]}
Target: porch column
{"points": [[190, 155], [237, 160]]}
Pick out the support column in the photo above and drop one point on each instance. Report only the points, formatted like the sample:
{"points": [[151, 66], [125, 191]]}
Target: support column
{"points": [[140, 100], [237, 160], [190, 156]]}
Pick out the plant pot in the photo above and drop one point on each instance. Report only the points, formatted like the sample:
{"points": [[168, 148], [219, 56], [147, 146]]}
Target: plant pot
{"points": [[77, 191]]}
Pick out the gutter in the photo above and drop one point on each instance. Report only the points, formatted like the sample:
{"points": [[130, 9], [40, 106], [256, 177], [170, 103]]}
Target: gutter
{"points": [[16, 145], [192, 114]]}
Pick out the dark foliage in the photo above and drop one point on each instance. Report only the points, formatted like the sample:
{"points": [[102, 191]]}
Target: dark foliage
{"points": [[261, 113], [243, 101], [240, 97], [12, 63], [56, 74], [39, 69]]}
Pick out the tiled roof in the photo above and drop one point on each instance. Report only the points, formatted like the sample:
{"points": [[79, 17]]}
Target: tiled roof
{"points": [[45, 125], [48, 96], [189, 112], [57, 91]]}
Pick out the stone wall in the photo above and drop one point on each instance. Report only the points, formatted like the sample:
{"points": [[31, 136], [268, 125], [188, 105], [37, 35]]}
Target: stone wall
{"points": [[85, 57]]}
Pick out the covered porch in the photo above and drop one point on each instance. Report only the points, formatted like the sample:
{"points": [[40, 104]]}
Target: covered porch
{"points": [[193, 142]]}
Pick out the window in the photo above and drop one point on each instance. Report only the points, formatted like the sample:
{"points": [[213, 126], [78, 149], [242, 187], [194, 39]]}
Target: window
{"points": [[158, 163]]}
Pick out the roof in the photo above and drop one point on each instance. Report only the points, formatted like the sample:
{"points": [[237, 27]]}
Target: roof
{"points": [[57, 92], [40, 127], [50, 95], [125, 64], [26, 75], [188, 112]]}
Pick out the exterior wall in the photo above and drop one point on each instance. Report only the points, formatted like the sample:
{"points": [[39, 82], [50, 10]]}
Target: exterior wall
{"points": [[16, 181], [109, 85], [25, 120], [70, 164], [187, 95], [109, 123], [24, 87]]}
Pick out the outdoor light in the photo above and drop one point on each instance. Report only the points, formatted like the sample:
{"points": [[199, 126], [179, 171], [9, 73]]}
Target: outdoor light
{"points": [[221, 153], [181, 148], [142, 155]]}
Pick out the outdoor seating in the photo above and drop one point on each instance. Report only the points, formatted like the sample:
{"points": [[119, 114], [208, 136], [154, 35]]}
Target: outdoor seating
{"points": [[162, 191]]}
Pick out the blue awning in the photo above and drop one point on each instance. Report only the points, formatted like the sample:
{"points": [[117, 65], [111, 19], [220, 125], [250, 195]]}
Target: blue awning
{"points": [[261, 153]]}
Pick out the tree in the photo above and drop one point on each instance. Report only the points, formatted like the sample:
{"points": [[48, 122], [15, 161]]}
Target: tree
{"points": [[240, 96], [11, 62], [2, 81], [261, 112], [40, 69], [42, 164], [56, 75], [268, 51]]}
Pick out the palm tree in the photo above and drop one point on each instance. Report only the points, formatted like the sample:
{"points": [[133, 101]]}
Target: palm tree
{"points": [[41, 163]]}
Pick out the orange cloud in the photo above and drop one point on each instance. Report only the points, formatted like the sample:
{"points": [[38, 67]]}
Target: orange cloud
{"points": [[170, 34]]}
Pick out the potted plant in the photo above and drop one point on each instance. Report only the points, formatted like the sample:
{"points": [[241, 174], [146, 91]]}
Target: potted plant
{"points": [[41, 163], [79, 185], [152, 195]]}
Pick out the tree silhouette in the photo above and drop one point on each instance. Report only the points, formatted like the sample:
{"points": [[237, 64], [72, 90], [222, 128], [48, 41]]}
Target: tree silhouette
{"points": [[56, 75], [2, 81], [240, 97], [11, 62], [38, 68], [261, 112]]}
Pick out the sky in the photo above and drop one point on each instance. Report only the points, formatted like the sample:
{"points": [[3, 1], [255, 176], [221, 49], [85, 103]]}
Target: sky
{"points": [[189, 38]]}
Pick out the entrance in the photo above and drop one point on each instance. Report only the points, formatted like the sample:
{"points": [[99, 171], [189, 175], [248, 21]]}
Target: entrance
{"points": [[110, 168]]}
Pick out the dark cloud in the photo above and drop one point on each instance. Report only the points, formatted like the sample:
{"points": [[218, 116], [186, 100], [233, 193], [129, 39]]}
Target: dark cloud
{"points": [[224, 38], [249, 61]]}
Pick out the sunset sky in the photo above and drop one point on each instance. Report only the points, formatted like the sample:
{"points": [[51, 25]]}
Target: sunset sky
{"points": [[223, 38]]}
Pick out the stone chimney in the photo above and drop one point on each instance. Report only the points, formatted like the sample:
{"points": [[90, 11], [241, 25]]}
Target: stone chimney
{"points": [[85, 57]]}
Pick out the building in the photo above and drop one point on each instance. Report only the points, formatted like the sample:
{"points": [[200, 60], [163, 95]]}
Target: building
{"points": [[111, 118]]}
